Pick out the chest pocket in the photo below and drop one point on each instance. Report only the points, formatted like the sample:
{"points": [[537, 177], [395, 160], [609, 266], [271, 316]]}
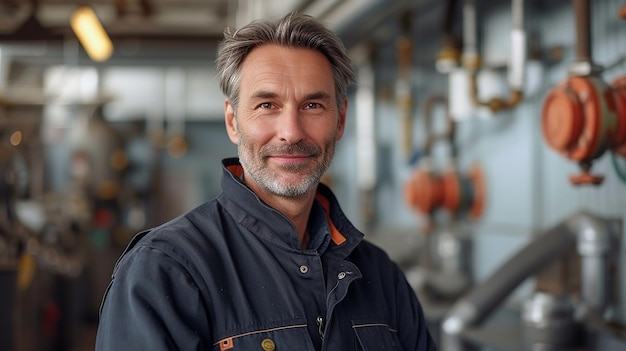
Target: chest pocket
{"points": [[376, 337], [293, 337]]}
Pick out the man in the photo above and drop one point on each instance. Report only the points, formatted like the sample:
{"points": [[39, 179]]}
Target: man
{"points": [[271, 263]]}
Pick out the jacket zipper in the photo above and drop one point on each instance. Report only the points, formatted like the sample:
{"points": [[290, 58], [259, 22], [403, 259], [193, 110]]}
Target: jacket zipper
{"points": [[320, 319], [320, 326]]}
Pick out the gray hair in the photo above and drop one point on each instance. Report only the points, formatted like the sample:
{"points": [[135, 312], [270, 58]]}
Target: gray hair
{"points": [[295, 30]]}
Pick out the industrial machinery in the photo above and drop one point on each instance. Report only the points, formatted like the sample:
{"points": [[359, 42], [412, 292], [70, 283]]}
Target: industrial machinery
{"points": [[571, 306], [445, 200], [428, 190], [583, 116], [56, 242]]}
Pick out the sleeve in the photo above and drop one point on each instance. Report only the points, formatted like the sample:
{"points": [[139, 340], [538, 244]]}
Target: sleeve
{"points": [[152, 304], [412, 329]]}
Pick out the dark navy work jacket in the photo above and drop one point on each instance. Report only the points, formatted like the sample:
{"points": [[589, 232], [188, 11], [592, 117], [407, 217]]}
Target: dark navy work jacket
{"points": [[230, 275]]}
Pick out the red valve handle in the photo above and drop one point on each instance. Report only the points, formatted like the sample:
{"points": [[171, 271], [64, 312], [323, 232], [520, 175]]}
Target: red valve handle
{"points": [[586, 178]]}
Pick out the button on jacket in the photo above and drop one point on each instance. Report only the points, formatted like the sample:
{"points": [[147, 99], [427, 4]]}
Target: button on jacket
{"points": [[230, 275]]}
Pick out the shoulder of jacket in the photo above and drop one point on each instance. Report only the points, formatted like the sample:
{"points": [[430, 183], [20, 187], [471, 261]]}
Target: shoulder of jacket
{"points": [[178, 236]]}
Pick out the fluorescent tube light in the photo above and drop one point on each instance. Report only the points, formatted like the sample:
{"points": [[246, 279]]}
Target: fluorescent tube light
{"points": [[91, 34]]}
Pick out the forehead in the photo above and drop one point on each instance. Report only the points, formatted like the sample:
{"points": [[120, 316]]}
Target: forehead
{"points": [[275, 64], [280, 54]]}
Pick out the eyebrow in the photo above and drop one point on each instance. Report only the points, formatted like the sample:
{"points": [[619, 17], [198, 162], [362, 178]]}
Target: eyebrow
{"points": [[320, 95], [264, 95]]}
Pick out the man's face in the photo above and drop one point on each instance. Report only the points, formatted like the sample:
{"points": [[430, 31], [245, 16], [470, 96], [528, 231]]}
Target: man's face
{"points": [[287, 121]]}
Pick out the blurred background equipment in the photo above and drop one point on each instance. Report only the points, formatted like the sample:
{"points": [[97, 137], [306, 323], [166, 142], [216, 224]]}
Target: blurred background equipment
{"points": [[568, 307], [583, 117], [460, 134]]}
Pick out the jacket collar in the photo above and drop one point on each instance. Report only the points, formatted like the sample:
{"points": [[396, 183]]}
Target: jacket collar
{"points": [[344, 236]]}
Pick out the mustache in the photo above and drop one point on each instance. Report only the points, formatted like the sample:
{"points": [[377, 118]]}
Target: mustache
{"points": [[292, 149]]}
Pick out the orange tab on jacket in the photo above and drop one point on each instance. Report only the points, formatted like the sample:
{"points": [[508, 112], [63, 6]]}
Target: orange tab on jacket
{"points": [[226, 344]]}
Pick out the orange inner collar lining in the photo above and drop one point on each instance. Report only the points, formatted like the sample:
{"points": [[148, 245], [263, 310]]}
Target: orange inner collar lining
{"points": [[335, 235]]}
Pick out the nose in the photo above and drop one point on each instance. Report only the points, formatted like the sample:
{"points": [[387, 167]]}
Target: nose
{"points": [[290, 128]]}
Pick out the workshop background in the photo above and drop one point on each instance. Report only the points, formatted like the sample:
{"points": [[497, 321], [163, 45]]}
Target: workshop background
{"points": [[485, 151]]}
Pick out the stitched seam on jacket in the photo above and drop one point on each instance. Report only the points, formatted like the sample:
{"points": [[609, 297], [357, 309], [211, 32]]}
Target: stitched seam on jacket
{"points": [[375, 325], [261, 331]]}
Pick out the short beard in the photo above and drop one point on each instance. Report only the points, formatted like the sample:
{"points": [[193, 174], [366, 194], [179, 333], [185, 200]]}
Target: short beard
{"points": [[269, 181]]}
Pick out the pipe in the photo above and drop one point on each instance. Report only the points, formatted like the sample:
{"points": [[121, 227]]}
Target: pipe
{"points": [[448, 134], [449, 55], [582, 10], [403, 84], [471, 60], [594, 244], [474, 308], [494, 104], [366, 151], [448, 24], [583, 64], [517, 59], [592, 235]]}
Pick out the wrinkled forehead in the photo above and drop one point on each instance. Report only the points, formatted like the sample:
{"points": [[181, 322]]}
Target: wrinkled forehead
{"points": [[273, 67]]}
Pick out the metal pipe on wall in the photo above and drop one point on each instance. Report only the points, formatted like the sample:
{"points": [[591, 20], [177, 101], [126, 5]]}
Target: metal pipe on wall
{"points": [[450, 54], [429, 105], [470, 58], [583, 64], [517, 58], [404, 83], [593, 245], [366, 152], [583, 24], [593, 237]]}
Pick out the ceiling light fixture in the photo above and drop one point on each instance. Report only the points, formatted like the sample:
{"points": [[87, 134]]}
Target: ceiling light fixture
{"points": [[91, 34]]}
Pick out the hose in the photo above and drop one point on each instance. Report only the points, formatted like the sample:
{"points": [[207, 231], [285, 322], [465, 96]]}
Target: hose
{"points": [[620, 174]]}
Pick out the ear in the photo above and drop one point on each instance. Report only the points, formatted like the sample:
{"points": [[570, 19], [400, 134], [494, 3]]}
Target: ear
{"points": [[341, 124], [231, 124]]}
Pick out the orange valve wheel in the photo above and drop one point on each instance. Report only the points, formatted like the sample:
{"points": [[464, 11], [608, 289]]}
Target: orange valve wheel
{"points": [[572, 118], [464, 193], [423, 191], [578, 121], [563, 120]]}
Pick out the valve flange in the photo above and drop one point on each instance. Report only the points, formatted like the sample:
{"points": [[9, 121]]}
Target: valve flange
{"points": [[582, 118]]}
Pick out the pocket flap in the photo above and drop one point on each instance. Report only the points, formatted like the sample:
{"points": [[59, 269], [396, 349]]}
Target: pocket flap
{"points": [[376, 336]]}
